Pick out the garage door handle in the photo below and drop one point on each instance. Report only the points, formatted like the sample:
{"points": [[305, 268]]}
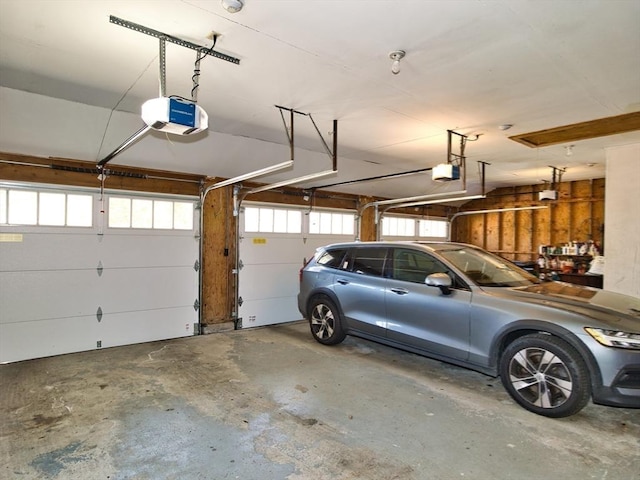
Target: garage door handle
{"points": [[400, 291], [342, 281]]}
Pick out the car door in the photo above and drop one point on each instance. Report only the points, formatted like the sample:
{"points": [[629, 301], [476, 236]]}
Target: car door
{"points": [[422, 316], [360, 290]]}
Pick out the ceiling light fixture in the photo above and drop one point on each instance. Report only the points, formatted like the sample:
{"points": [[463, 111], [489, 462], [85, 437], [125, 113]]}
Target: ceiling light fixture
{"points": [[232, 6], [396, 56]]}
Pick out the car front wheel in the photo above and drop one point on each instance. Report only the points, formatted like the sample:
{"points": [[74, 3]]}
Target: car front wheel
{"points": [[545, 375], [324, 319]]}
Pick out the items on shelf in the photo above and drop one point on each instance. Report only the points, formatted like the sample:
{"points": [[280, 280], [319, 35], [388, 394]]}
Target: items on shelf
{"points": [[571, 262]]}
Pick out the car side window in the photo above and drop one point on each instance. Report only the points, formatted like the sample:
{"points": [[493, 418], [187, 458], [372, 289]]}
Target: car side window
{"points": [[369, 260], [412, 266], [333, 258]]}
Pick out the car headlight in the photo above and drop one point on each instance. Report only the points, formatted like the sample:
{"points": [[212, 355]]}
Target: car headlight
{"points": [[615, 338]]}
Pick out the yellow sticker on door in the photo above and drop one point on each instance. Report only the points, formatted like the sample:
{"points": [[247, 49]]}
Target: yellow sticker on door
{"points": [[10, 237], [259, 241]]}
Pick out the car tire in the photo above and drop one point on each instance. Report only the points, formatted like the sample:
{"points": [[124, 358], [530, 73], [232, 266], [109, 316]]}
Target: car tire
{"points": [[325, 321], [545, 375]]}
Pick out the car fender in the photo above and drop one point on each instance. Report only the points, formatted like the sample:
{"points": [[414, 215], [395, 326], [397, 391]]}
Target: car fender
{"points": [[526, 326], [327, 292]]}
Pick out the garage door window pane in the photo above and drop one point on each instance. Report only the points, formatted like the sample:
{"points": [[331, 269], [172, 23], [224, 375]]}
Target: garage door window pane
{"points": [[397, 226], [51, 209], [183, 216], [119, 212], [294, 221], [266, 220], [141, 213], [251, 219], [162, 214], [79, 210], [347, 224], [23, 207], [3, 205], [280, 221]]}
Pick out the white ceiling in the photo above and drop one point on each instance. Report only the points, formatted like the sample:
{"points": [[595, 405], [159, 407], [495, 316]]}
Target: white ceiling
{"points": [[471, 66]]}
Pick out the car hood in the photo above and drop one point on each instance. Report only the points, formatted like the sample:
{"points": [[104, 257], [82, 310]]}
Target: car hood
{"points": [[583, 300]]}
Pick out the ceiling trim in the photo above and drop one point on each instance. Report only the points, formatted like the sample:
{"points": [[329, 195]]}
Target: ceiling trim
{"points": [[601, 127]]}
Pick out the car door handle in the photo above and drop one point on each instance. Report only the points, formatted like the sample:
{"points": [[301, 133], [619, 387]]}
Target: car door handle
{"points": [[342, 281], [400, 291]]}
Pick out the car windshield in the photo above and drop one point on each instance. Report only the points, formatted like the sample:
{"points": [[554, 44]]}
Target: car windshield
{"points": [[487, 270]]}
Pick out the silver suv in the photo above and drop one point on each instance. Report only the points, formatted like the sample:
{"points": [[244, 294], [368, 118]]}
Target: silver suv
{"points": [[554, 345]]}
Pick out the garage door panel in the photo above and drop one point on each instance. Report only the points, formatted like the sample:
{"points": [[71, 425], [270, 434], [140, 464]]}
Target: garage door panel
{"points": [[131, 289], [269, 277], [39, 295], [67, 289], [263, 281], [269, 311], [39, 251], [44, 338], [146, 326], [271, 249], [140, 250]]}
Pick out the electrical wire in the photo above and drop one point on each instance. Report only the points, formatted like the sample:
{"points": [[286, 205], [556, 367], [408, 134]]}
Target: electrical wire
{"points": [[196, 67]]}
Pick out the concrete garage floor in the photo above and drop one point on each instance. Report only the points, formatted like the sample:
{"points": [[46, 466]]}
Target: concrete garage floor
{"points": [[271, 403]]}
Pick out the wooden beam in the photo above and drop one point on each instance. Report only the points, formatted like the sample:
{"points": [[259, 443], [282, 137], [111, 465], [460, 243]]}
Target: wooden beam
{"points": [[574, 132]]}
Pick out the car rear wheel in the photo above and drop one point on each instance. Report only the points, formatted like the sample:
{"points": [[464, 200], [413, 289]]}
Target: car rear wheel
{"points": [[545, 375], [325, 322]]}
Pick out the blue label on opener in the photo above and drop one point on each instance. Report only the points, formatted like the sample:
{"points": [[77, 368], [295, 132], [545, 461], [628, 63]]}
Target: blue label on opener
{"points": [[182, 112]]}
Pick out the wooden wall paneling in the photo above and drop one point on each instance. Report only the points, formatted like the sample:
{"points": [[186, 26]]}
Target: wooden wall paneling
{"points": [[492, 231], [368, 227], [64, 171], [509, 226], [219, 249], [476, 225], [523, 247], [598, 219], [541, 233]]}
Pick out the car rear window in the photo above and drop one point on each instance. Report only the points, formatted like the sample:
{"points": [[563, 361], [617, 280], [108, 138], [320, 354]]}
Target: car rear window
{"points": [[332, 258]]}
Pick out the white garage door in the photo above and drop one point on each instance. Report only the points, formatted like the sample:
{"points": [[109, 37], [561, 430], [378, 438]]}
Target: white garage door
{"points": [[274, 243], [72, 279]]}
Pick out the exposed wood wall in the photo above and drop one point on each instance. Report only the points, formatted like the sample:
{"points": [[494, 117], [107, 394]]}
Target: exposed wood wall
{"points": [[577, 215]]}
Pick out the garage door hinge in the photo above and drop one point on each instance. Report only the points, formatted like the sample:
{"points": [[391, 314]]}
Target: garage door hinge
{"points": [[100, 268], [196, 266], [196, 305], [99, 314], [240, 301]]}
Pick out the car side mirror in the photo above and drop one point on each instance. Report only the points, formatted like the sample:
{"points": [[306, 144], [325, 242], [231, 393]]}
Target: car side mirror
{"points": [[440, 280]]}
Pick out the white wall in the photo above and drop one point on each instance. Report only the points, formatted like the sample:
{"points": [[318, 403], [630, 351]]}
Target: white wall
{"points": [[622, 220]]}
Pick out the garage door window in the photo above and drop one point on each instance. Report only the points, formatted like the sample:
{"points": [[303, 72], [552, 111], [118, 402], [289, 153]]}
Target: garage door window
{"points": [[147, 213], [433, 228], [272, 220], [33, 207], [398, 227], [407, 227], [331, 223]]}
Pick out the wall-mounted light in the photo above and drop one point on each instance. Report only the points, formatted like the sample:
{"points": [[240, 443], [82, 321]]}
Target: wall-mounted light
{"points": [[232, 6], [396, 56]]}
